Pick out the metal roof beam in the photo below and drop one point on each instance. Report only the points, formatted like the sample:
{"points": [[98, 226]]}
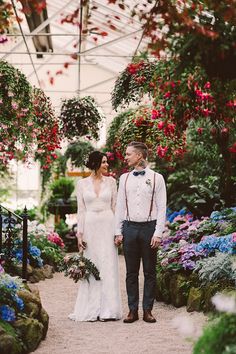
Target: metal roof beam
{"points": [[112, 41], [38, 29], [98, 83]]}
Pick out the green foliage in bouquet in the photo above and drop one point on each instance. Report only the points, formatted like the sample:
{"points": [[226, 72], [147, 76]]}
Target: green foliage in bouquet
{"points": [[219, 337], [78, 152], [79, 267], [80, 117]]}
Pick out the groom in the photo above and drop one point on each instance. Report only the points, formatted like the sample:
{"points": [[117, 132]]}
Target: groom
{"points": [[140, 220]]}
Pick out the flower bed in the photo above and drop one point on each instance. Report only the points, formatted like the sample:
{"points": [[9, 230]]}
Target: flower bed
{"points": [[23, 321], [45, 252], [197, 260]]}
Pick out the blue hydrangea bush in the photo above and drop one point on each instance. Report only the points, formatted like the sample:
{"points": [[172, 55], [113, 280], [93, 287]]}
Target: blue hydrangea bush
{"points": [[190, 241], [10, 303]]}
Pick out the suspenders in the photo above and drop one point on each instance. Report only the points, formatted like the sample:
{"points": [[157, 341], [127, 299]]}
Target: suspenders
{"points": [[151, 204]]}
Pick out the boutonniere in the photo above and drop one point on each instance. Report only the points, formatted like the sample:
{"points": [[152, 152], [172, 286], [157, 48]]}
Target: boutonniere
{"points": [[148, 182]]}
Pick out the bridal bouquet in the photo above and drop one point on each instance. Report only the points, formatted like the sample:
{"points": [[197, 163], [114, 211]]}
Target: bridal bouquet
{"points": [[79, 267]]}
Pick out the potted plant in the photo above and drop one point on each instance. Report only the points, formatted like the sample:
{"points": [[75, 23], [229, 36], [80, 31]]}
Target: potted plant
{"points": [[60, 202]]}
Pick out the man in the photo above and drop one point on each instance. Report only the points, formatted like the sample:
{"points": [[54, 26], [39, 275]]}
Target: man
{"points": [[140, 220]]}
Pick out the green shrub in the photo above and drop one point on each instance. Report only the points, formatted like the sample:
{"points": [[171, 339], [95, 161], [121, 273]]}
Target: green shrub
{"points": [[62, 188], [217, 268], [218, 337]]}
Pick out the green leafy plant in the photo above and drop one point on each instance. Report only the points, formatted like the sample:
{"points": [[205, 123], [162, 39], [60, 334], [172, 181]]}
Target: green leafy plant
{"points": [[62, 188], [60, 201], [78, 152], [62, 229], [216, 269], [218, 337]]}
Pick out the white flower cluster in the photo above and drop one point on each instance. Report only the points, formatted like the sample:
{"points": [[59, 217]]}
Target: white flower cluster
{"points": [[36, 229], [224, 303]]}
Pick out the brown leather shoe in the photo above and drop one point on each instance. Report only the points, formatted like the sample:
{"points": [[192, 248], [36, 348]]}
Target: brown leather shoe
{"points": [[132, 317], [148, 317]]}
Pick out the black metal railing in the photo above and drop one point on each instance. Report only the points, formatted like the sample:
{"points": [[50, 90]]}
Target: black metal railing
{"points": [[8, 221]]}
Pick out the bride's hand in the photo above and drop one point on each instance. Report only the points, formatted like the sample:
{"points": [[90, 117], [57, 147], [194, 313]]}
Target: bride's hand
{"points": [[118, 240], [81, 242]]}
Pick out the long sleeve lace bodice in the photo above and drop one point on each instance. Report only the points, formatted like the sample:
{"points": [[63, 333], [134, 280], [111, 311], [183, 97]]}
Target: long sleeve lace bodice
{"points": [[87, 200]]}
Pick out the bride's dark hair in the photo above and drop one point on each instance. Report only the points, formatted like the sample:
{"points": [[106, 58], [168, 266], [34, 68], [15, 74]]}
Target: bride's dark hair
{"points": [[94, 160]]}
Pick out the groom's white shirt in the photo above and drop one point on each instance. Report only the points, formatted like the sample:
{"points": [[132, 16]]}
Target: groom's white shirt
{"points": [[139, 193]]}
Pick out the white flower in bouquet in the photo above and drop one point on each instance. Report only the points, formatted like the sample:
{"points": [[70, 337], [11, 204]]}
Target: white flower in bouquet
{"points": [[79, 267]]}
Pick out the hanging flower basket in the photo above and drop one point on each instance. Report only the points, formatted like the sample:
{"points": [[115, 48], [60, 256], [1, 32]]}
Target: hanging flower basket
{"points": [[15, 113], [47, 132], [80, 117], [28, 124], [144, 125]]}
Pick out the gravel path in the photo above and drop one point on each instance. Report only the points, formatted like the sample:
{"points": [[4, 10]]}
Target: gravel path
{"points": [[167, 336]]}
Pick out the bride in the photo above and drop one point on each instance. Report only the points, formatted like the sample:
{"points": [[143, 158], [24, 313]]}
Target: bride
{"points": [[96, 196]]}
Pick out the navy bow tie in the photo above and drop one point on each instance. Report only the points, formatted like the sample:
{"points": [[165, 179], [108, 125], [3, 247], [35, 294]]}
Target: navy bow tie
{"points": [[137, 173]]}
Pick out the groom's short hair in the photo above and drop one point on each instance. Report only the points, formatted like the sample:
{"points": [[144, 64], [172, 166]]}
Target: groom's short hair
{"points": [[140, 147]]}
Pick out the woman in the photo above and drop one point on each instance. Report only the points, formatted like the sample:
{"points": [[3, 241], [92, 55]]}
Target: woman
{"points": [[96, 196]]}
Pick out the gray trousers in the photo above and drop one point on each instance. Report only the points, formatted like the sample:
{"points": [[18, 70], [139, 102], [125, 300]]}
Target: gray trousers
{"points": [[136, 243]]}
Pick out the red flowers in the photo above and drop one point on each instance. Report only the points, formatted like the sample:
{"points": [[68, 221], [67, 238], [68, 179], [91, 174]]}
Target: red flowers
{"points": [[231, 104], [233, 148], [161, 125], [161, 151], [200, 130], [133, 68]]}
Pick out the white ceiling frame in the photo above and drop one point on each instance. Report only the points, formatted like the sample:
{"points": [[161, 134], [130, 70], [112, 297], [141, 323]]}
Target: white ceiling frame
{"points": [[91, 49], [121, 14], [38, 29], [98, 84], [46, 61], [111, 42]]}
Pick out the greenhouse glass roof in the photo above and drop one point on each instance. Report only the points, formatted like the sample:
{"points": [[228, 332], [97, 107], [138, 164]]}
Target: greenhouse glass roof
{"points": [[64, 58]]}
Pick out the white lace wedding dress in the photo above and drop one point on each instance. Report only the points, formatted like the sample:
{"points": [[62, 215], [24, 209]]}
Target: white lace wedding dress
{"points": [[98, 299]]}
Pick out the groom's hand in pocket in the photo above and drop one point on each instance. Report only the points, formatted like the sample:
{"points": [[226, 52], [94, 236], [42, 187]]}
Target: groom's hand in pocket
{"points": [[118, 240]]}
